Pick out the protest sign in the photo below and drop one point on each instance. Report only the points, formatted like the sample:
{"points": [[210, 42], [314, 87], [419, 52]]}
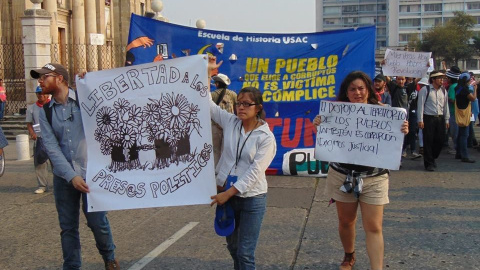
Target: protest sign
{"points": [[148, 135], [404, 63], [361, 134], [293, 71]]}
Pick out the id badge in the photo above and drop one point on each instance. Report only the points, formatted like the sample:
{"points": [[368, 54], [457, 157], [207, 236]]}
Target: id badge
{"points": [[231, 179]]}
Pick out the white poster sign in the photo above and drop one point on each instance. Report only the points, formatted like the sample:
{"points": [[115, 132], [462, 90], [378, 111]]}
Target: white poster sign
{"points": [[404, 63], [148, 135], [97, 39], [360, 134]]}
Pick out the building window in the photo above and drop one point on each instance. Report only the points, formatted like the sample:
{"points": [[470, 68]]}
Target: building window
{"points": [[409, 22], [381, 44], [367, 8], [453, 7], [410, 8], [477, 19], [367, 20], [331, 10], [381, 7], [382, 19], [472, 64], [381, 31], [407, 37], [349, 21], [432, 7], [349, 9], [473, 5], [432, 22], [331, 21]]}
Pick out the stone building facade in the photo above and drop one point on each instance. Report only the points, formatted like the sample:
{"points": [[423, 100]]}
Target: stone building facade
{"points": [[84, 35]]}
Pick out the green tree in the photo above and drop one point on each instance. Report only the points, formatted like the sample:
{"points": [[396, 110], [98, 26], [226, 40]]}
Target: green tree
{"points": [[450, 42]]}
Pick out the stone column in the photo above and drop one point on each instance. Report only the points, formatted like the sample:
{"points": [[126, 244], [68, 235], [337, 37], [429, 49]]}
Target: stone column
{"points": [[79, 48], [36, 45], [51, 7], [91, 28]]}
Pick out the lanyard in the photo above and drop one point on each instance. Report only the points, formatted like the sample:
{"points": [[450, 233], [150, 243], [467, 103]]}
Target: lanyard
{"points": [[237, 157]]}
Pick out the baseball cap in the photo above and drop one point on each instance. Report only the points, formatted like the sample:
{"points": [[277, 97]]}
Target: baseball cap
{"points": [[48, 68], [221, 78], [224, 219], [464, 75], [38, 90], [380, 77]]}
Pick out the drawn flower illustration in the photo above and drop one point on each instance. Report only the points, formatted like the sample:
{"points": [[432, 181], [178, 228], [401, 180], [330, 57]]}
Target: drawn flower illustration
{"points": [[175, 110], [121, 105], [106, 119], [151, 113], [128, 136], [135, 115]]}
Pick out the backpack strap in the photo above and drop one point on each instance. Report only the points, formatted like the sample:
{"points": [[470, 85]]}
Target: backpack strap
{"points": [[428, 93], [48, 109]]}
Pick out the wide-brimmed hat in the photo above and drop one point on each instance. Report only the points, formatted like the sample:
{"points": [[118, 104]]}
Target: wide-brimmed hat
{"points": [[221, 78], [49, 68], [436, 74], [423, 81]]}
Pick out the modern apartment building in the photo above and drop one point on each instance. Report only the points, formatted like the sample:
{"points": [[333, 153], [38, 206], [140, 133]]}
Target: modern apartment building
{"points": [[397, 21]]}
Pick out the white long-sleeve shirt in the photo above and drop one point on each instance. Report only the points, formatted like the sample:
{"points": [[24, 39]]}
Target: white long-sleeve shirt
{"points": [[256, 156]]}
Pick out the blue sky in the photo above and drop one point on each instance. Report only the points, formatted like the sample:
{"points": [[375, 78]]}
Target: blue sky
{"points": [[251, 16]]}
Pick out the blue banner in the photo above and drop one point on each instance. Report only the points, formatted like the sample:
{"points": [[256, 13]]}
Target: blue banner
{"points": [[293, 71]]}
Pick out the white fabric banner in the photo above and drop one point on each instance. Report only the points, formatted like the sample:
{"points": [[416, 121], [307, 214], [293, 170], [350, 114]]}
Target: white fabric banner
{"points": [[301, 162], [404, 63], [148, 135], [360, 134]]}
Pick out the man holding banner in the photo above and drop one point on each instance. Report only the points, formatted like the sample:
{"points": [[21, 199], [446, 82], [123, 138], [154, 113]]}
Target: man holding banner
{"points": [[64, 139]]}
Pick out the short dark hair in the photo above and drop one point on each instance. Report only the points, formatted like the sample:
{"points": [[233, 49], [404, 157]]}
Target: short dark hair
{"points": [[352, 76]]}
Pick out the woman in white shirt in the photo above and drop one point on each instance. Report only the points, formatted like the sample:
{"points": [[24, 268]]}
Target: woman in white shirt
{"points": [[248, 149]]}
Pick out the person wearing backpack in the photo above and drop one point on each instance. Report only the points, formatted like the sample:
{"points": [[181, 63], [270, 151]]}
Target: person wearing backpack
{"points": [[64, 139], [463, 109], [433, 116]]}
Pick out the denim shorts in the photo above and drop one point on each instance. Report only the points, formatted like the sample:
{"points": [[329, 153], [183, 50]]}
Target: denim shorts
{"points": [[375, 189]]}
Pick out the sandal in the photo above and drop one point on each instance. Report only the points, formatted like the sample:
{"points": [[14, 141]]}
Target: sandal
{"points": [[348, 261]]}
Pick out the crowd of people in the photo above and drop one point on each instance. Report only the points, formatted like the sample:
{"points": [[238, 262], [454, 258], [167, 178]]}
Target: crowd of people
{"points": [[439, 109]]}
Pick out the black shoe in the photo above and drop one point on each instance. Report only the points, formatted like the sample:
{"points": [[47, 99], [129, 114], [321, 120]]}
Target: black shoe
{"points": [[430, 168], [467, 160], [458, 157]]}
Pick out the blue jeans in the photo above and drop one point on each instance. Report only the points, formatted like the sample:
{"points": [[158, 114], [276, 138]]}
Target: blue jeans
{"points": [[2, 109], [242, 242], [411, 137], [462, 142], [67, 201], [453, 130]]}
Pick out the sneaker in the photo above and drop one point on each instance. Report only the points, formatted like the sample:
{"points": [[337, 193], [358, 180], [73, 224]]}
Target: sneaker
{"points": [[404, 154], [467, 160], [112, 265], [416, 155], [348, 261], [39, 191], [430, 168], [452, 152]]}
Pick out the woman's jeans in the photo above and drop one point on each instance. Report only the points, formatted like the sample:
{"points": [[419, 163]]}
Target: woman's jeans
{"points": [[462, 142], [67, 201], [242, 242]]}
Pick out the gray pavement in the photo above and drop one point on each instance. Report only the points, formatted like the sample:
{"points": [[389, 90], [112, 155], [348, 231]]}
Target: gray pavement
{"points": [[432, 222]]}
